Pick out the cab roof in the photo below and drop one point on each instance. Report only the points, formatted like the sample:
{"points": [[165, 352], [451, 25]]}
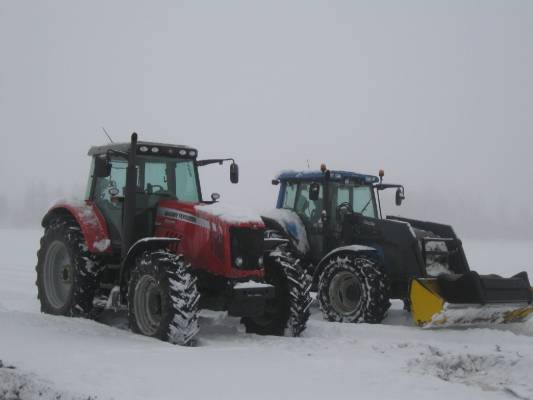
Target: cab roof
{"points": [[163, 149], [318, 175]]}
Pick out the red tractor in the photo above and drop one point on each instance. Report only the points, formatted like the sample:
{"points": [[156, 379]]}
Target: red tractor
{"points": [[145, 241]]}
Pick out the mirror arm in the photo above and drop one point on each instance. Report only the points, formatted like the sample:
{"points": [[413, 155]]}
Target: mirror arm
{"points": [[383, 186], [201, 163]]}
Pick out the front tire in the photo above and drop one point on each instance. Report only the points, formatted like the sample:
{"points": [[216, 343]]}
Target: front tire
{"points": [[163, 298], [288, 312], [66, 272], [353, 288]]}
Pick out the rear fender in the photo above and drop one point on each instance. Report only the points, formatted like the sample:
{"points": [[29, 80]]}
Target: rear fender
{"points": [[351, 250], [141, 245], [90, 221]]}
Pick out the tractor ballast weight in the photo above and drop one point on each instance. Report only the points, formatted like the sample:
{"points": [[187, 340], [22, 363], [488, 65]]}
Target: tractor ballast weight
{"points": [[357, 257]]}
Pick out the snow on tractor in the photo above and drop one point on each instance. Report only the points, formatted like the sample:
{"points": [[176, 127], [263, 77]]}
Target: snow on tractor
{"points": [[359, 260], [145, 241]]}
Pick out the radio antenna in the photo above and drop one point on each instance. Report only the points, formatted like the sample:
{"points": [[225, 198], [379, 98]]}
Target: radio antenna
{"points": [[107, 134], [308, 166]]}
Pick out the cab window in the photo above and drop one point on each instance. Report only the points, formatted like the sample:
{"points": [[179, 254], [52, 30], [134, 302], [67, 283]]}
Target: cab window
{"points": [[155, 177], [163, 177], [289, 196], [309, 210], [186, 182], [358, 198], [363, 201], [116, 181]]}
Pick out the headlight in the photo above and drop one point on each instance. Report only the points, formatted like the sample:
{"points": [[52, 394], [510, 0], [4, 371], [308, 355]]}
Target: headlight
{"points": [[192, 153], [260, 261], [155, 149], [183, 152], [238, 261], [144, 149]]}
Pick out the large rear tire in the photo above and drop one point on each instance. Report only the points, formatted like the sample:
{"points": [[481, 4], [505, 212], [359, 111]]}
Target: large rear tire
{"points": [[163, 298], [353, 288], [66, 272], [288, 312]]}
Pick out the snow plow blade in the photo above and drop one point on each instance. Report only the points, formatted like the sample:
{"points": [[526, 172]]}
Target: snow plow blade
{"points": [[470, 299]]}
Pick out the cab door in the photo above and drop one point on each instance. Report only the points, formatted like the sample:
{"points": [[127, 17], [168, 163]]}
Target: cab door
{"points": [[353, 208], [310, 212], [108, 195]]}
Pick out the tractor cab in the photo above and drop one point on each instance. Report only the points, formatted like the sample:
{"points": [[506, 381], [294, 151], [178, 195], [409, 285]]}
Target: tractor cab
{"points": [[163, 172], [323, 200]]}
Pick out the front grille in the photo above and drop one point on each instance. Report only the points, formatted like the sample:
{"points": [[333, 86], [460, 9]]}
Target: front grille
{"points": [[247, 243]]}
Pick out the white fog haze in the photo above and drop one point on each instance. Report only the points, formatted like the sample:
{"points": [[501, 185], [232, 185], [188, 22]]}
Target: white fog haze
{"points": [[438, 94], [148, 292]]}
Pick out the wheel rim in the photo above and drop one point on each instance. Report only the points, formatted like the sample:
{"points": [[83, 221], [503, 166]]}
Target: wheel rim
{"points": [[345, 293], [57, 275], [147, 304]]}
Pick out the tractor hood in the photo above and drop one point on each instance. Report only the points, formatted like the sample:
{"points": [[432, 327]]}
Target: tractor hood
{"points": [[207, 215], [230, 214], [222, 240]]}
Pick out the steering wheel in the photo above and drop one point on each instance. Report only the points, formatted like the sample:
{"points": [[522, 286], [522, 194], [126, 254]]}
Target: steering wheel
{"points": [[150, 188], [343, 208]]}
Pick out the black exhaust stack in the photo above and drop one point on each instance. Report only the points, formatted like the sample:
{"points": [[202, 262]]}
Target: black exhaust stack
{"points": [[128, 222]]}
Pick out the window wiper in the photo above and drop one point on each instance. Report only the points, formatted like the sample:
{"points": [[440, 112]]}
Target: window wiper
{"points": [[366, 206]]}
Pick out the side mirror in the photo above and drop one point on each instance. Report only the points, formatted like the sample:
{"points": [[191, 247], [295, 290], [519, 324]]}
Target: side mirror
{"points": [[400, 196], [102, 167], [234, 173], [314, 191], [215, 196]]}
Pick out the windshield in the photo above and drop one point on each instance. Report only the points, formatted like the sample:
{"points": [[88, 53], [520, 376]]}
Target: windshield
{"points": [[166, 177], [360, 199]]}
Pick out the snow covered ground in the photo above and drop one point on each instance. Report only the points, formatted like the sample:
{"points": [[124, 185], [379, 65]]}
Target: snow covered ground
{"points": [[45, 357]]}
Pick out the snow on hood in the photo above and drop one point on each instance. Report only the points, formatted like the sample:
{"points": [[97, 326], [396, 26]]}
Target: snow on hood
{"points": [[293, 224], [230, 213]]}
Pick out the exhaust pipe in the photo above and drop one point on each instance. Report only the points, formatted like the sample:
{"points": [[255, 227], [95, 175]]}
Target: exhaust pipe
{"points": [[128, 215]]}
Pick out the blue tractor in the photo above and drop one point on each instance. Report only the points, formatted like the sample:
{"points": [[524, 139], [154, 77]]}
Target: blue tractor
{"points": [[359, 260]]}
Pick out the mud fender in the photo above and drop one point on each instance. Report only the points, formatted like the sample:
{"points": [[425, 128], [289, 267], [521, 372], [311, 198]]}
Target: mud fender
{"points": [[288, 222], [90, 220]]}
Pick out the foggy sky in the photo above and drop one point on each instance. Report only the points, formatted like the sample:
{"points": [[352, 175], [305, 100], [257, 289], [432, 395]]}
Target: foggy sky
{"points": [[439, 94]]}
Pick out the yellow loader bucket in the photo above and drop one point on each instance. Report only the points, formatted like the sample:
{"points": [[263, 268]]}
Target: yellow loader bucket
{"points": [[430, 309]]}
